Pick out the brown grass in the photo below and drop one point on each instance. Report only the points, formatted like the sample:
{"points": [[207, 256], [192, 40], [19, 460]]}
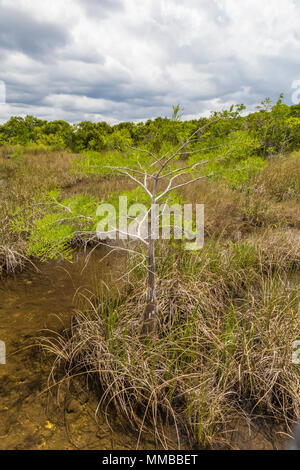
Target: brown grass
{"points": [[227, 319], [280, 180], [228, 315], [24, 179]]}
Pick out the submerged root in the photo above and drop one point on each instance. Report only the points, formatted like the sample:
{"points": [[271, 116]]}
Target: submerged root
{"points": [[11, 260]]}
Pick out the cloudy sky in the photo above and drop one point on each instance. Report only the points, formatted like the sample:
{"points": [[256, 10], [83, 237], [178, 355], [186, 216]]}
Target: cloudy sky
{"points": [[118, 60]]}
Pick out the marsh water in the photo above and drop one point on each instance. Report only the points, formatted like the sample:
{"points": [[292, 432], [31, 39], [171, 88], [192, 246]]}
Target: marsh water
{"points": [[44, 297]]}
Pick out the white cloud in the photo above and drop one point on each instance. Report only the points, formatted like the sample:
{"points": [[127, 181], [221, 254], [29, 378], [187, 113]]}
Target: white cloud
{"points": [[128, 60]]}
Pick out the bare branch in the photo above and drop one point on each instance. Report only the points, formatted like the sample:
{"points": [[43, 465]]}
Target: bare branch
{"points": [[143, 150], [194, 165], [117, 168], [168, 187], [62, 205], [149, 239], [115, 230], [139, 183], [183, 184], [203, 149], [125, 171], [159, 161], [185, 144]]}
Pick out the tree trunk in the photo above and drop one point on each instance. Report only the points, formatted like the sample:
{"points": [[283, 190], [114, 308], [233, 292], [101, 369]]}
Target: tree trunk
{"points": [[150, 310]]}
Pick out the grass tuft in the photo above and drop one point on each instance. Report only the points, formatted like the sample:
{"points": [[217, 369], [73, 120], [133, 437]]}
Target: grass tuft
{"points": [[223, 348]]}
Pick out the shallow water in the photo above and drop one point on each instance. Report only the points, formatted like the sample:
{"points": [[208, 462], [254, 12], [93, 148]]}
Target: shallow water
{"points": [[45, 297], [30, 301]]}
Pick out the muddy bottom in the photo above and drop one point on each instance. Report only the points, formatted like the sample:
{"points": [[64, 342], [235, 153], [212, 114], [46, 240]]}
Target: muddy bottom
{"points": [[30, 418]]}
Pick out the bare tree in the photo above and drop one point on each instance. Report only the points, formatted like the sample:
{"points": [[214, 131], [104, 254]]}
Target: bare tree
{"points": [[157, 181]]}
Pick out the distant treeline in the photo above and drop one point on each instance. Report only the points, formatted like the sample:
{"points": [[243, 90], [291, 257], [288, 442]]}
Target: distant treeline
{"points": [[275, 127]]}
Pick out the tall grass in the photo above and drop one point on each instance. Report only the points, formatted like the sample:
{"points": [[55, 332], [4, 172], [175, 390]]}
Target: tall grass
{"points": [[24, 179], [223, 347], [228, 315], [27, 175], [281, 178]]}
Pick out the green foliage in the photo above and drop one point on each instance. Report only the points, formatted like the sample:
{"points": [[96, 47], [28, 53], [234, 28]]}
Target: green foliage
{"points": [[240, 146], [237, 148], [119, 140], [17, 155], [51, 235], [236, 162], [95, 162], [50, 238], [139, 196], [90, 136], [240, 175], [274, 128]]}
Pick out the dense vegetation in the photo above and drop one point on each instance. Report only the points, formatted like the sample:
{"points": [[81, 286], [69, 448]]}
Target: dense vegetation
{"points": [[235, 147], [228, 314], [273, 128]]}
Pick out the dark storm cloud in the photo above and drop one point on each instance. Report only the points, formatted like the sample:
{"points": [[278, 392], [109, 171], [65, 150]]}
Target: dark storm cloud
{"points": [[21, 32], [144, 56]]}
